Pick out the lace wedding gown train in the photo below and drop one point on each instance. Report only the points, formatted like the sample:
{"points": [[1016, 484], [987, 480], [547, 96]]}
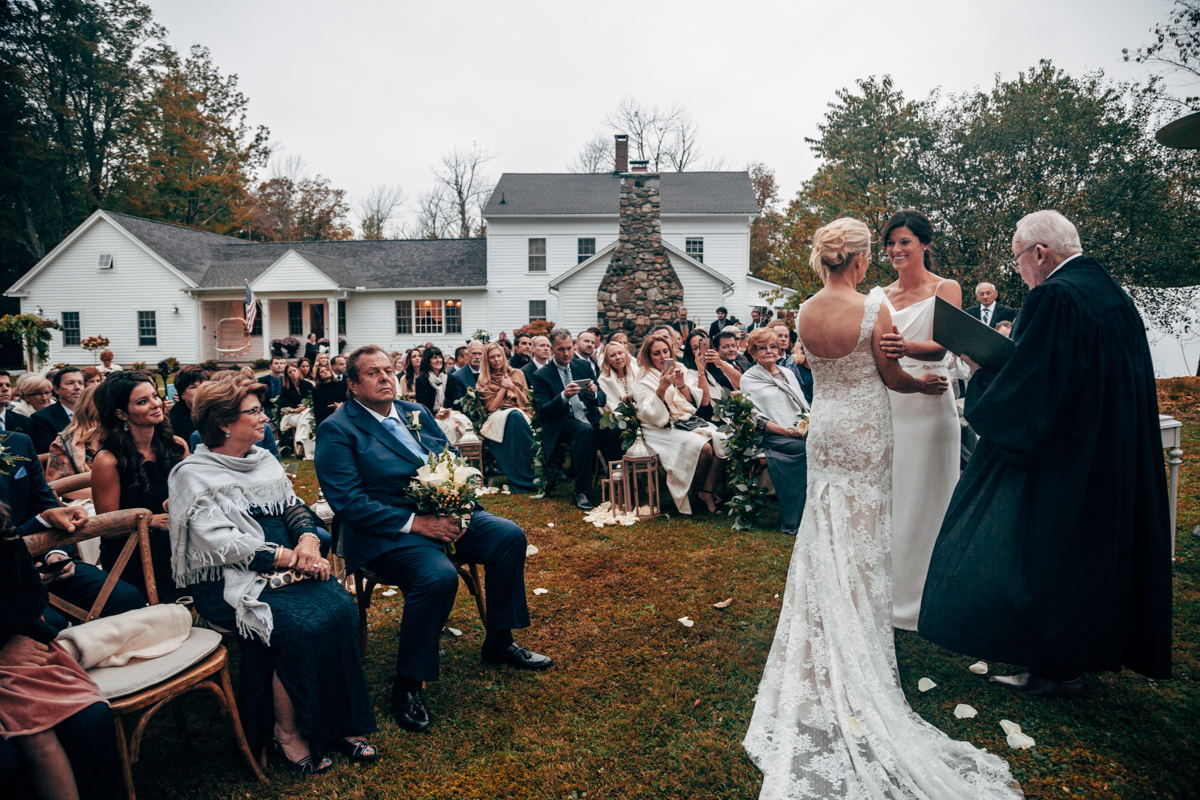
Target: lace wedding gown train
{"points": [[830, 718]]}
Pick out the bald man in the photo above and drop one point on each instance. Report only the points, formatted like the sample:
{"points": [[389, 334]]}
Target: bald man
{"points": [[988, 311]]}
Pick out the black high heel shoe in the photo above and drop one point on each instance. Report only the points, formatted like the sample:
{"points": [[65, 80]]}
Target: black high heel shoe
{"points": [[356, 750], [305, 766]]}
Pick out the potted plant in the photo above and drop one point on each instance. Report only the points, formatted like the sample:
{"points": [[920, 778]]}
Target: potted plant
{"points": [[291, 344], [277, 348], [94, 344]]}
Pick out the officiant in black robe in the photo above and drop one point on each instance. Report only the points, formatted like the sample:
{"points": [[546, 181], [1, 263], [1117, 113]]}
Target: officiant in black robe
{"points": [[1055, 549]]}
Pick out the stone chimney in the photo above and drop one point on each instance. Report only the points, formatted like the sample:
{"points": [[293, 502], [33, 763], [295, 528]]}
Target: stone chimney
{"points": [[622, 152], [640, 288]]}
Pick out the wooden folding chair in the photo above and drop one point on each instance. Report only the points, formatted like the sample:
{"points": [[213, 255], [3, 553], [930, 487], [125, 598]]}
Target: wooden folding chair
{"points": [[143, 686]]}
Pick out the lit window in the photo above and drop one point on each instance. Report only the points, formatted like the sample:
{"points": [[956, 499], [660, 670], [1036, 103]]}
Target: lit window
{"points": [[428, 316], [454, 316]]}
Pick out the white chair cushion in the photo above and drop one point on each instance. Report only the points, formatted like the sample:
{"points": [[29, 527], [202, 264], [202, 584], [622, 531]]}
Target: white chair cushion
{"points": [[142, 673]]}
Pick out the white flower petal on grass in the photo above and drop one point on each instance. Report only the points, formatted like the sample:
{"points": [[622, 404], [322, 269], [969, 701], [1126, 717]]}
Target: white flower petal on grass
{"points": [[1009, 726], [925, 684], [724, 603], [964, 711], [531, 550], [454, 631], [1019, 741], [390, 593], [541, 591], [979, 668], [687, 623], [549, 524], [856, 728]]}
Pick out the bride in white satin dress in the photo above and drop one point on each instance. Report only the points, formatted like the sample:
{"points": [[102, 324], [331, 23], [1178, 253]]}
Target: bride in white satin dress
{"points": [[830, 717], [928, 434]]}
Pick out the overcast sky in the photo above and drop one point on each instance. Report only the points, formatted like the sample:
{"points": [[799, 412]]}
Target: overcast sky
{"points": [[376, 91]]}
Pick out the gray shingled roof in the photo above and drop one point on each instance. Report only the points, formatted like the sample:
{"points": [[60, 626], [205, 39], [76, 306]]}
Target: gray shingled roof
{"points": [[215, 261], [533, 194]]}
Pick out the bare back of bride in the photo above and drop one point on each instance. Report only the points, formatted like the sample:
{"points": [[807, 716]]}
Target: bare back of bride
{"points": [[830, 718]]}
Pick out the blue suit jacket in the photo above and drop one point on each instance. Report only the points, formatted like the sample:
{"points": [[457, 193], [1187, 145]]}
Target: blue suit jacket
{"points": [[363, 472], [24, 489]]}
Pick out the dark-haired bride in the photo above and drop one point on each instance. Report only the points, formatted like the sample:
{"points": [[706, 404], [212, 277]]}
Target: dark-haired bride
{"points": [[830, 717]]}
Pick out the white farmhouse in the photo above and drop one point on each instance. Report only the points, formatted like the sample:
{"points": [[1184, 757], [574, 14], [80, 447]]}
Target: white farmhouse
{"points": [[158, 290]]}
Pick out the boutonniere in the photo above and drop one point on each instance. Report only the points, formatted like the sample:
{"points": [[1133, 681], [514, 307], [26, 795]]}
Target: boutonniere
{"points": [[414, 422]]}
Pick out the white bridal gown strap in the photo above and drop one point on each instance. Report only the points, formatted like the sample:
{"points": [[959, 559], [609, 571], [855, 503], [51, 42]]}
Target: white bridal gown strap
{"points": [[926, 456], [830, 718]]}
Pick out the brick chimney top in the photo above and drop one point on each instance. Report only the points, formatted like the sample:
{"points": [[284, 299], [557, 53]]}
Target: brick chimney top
{"points": [[639, 166], [622, 150]]}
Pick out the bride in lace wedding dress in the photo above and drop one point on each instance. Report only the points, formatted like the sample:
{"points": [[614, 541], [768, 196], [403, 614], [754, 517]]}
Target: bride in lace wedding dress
{"points": [[830, 718]]}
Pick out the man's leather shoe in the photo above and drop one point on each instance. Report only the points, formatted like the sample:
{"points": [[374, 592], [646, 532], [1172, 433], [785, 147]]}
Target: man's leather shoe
{"points": [[516, 656], [1034, 686], [410, 712], [583, 503]]}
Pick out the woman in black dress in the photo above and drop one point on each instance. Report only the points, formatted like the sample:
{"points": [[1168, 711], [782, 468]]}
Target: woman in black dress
{"points": [[131, 471], [327, 395], [187, 381], [296, 391], [246, 548]]}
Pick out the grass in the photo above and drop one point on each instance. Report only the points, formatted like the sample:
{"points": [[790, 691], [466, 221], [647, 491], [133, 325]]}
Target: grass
{"points": [[640, 706]]}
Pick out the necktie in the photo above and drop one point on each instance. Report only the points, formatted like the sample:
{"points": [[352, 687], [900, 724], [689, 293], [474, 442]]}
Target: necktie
{"points": [[405, 438], [576, 404], [987, 316]]}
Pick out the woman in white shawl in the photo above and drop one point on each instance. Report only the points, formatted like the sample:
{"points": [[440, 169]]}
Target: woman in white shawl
{"points": [[247, 548], [688, 447], [431, 393], [618, 373]]}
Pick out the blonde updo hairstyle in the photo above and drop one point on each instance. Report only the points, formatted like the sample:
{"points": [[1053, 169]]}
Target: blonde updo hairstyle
{"points": [[836, 244]]}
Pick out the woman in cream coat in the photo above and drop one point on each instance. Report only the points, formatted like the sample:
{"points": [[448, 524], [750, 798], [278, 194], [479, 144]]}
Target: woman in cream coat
{"points": [[664, 399], [618, 373]]}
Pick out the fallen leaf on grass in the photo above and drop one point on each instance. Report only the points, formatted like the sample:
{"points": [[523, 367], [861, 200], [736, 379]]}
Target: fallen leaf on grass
{"points": [[541, 591], [979, 668], [454, 631], [531, 550], [724, 603], [925, 684], [687, 623], [696, 704], [964, 711], [390, 593]]}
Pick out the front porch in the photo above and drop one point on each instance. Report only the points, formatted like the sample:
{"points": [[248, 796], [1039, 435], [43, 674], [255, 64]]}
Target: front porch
{"points": [[280, 317]]}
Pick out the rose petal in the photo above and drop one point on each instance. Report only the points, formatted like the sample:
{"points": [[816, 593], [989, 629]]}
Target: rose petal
{"points": [[687, 623], [541, 591], [454, 631], [531, 550], [856, 728], [1010, 727], [964, 711], [1019, 741], [925, 684], [724, 603], [979, 668], [390, 593]]}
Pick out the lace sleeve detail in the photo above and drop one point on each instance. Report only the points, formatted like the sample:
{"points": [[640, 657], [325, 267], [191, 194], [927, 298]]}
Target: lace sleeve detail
{"points": [[870, 314], [299, 521]]}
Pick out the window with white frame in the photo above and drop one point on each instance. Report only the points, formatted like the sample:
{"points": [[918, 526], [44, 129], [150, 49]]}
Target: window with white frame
{"points": [[587, 249], [454, 316], [70, 328], [295, 319], [147, 329], [422, 317], [537, 255], [537, 310], [694, 247]]}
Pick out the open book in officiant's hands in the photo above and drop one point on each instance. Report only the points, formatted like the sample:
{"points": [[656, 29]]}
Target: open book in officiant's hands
{"points": [[962, 334]]}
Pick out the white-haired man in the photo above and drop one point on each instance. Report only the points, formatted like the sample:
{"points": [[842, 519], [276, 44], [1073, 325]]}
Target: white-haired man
{"points": [[1055, 552], [987, 308]]}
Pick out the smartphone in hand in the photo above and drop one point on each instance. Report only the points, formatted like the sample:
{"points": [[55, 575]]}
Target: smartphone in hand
{"points": [[668, 365]]}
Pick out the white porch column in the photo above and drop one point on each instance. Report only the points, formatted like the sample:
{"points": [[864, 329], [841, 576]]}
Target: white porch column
{"points": [[266, 328], [331, 325]]}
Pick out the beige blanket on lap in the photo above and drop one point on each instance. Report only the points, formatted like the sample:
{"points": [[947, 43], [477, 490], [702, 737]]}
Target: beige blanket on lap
{"points": [[142, 633]]}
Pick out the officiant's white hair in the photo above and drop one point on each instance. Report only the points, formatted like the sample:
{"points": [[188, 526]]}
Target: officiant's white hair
{"points": [[1051, 229]]}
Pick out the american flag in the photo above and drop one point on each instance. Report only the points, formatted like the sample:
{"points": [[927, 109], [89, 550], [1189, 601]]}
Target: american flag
{"points": [[251, 309]]}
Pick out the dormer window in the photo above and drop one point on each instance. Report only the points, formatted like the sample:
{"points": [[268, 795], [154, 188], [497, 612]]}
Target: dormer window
{"points": [[105, 261]]}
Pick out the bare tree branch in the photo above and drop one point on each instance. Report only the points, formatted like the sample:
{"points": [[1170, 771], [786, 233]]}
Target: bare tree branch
{"points": [[465, 186], [376, 210], [597, 155]]}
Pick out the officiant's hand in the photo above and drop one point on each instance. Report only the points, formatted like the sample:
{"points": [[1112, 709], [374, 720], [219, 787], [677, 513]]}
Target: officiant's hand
{"points": [[967, 360], [893, 344], [440, 529], [934, 384]]}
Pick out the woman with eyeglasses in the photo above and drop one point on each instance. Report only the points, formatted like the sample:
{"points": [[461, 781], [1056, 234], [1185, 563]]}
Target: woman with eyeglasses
{"points": [[926, 427], [247, 550], [33, 393]]}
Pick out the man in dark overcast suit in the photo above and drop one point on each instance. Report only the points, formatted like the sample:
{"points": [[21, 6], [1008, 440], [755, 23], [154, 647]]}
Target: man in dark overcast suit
{"points": [[987, 310], [540, 357], [464, 378], [10, 420], [50, 421]]}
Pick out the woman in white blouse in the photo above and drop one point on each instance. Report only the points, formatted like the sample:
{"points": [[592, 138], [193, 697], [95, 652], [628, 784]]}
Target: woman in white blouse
{"points": [[618, 373], [689, 448], [780, 402]]}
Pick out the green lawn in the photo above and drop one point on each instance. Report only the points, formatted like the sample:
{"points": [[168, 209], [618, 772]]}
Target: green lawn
{"points": [[640, 706]]}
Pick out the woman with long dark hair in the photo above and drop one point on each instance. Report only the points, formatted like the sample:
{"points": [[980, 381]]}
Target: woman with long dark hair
{"points": [[431, 393], [926, 427], [139, 451]]}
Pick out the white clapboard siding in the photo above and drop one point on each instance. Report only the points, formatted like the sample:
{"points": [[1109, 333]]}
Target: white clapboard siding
{"points": [[108, 300]]}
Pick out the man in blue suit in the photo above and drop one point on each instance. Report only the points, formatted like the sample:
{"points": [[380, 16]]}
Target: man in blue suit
{"points": [[367, 455]]}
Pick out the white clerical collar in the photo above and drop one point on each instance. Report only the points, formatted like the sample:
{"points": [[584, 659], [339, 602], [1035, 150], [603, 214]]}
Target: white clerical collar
{"points": [[1063, 262], [380, 417]]}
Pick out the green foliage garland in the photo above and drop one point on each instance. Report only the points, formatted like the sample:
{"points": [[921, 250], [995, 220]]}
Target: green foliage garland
{"points": [[744, 444], [623, 418], [543, 471]]}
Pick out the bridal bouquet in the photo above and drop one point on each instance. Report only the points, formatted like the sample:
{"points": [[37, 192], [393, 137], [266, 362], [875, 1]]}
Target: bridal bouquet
{"points": [[445, 486]]}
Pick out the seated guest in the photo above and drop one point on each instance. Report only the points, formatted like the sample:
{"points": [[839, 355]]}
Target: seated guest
{"points": [[10, 418], [131, 470], [465, 378], [295, 390], [539, 357], [568, 402], [91, 376], [53, 713], [622, 338], [460, 357], [727, 369], [33, 508], [802, 370], [49, 422], [688, 448], [697, 362], [294, 403], [617, 374], [273, 380], [585, 350], [406, 373], [106, 363], [503, 392], [522, 352], [777, 397], [72, 451], [305, 367], [677, 343], [246, 548], [187, 383], [366, 458], [268, 441], [327, 395], [431, 393], [248, 372], [33, 394]]}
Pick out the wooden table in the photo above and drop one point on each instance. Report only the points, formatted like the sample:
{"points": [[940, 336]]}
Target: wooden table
{"points": [[1172, 440]]}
